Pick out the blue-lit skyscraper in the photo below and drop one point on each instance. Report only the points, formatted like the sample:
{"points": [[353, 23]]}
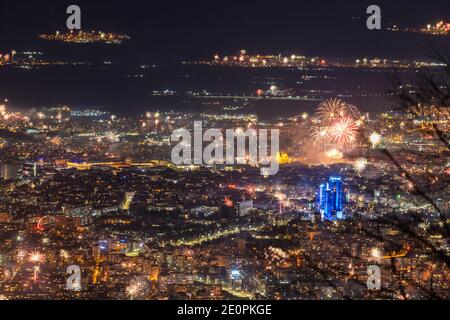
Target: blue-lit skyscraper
{"points": [[332, 199]]}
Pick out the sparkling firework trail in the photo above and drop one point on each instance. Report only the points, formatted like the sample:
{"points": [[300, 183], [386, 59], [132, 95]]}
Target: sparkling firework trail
{"points": [[36, 273], [36, 258]]}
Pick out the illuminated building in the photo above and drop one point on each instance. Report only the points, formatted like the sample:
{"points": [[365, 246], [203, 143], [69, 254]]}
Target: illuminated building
{"points": [[29, 169], [5, 217], [128, 200], [283, 158], [244, 208], [82, 215], [235, 274], [133, 249], [331, 199], [104, 246], [9, 171], [376, 195]]}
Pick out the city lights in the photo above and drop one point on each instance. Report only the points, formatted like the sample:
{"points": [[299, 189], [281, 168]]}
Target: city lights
{"points": [[172, 163]]}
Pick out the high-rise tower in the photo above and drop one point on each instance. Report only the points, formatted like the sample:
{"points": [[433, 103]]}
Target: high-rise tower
{"points": [[332, 199]]}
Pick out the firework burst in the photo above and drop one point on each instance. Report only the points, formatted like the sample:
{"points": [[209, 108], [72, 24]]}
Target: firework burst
{"points": [[321, 136], [336, 124], [37, 258], [21, 256], [137, 288], [375, 139], [344, 132], [360, 165], [330, 110], [251, 190], [334, 109], [228, 202]]}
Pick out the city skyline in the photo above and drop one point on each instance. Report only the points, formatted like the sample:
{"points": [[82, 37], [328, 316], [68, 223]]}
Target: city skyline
{"points": [[232, 152]]}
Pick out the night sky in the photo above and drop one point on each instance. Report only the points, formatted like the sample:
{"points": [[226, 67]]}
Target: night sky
{"points": [[164, 33], [200, 28]]}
